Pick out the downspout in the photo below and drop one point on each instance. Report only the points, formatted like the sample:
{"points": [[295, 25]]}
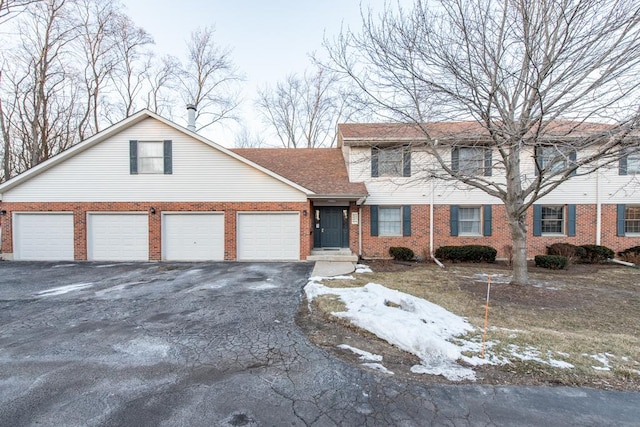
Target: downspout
{"points": [[359, 203], [431, 252], [598, 209]]}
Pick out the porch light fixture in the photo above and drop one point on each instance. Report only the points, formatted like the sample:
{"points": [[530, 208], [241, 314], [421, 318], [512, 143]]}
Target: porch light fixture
{"points": [[304, 212], [3, 212], [152, 210]]}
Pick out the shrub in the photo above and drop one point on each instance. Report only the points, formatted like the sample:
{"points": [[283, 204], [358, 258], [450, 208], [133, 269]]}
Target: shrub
{"points": [[401, 253], [508, 252], [596, 254], [469, 253], [631, 254], [553, 262], [571, 252]]}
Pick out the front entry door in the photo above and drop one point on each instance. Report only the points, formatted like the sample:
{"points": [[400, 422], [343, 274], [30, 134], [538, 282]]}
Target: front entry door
{"points": [[331, 225]]}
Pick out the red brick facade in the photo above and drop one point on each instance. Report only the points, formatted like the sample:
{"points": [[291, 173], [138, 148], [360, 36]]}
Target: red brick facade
{"points": [[230, 210], [378, 247]]}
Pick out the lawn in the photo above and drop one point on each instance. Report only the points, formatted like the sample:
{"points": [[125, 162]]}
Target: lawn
{"points": [[587, 317]]}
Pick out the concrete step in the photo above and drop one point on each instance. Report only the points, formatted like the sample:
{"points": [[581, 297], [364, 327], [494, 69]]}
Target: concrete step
{"points": [[333, 255]]}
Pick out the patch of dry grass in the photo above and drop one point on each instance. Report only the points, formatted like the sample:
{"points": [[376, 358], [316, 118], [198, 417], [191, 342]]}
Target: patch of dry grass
{"points": [[587, 316]]}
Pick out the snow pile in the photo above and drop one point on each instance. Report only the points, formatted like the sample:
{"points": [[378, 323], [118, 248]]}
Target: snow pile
{"points": [[371, 361], [412, 324], [361, 268]]}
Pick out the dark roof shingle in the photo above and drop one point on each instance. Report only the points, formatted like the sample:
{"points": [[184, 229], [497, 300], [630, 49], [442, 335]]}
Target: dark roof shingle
{"points": [[321, 170]]}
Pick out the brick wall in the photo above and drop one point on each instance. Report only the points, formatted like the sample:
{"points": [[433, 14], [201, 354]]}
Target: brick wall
{"points": [[80, 210], [378, 247]]}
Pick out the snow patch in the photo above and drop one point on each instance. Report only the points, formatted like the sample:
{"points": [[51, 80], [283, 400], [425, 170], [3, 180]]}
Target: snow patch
{"points": [[378, 367], [361, 268], [63, 289], [363, 355], [412, 324]]}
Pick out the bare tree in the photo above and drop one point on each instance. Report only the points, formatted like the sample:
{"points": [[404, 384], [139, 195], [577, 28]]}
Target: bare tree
{"points": [[11, 8], [245, 138], [42, 86], [207, 79], [133, 63], [303, 110], [532, 75]]}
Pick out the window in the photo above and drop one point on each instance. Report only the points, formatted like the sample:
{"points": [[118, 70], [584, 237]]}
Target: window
{"points": [[632, 220], [469, 221], [630, 164], [554, 158], [389, 222], [471, 160], [389, 162], [552, 220], [150, 157]]}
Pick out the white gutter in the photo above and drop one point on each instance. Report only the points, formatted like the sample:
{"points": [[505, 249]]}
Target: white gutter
{"points": [[598, 209], [359, 203], [433, 257]]}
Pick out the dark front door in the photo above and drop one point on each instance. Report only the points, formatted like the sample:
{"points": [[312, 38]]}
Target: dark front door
{"points": [[332, 227]]}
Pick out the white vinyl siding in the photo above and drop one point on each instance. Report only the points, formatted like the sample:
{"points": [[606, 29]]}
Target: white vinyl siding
{"points": [[268, 236], [118, 237], [193, 236], [43, 237], [200, 173]]}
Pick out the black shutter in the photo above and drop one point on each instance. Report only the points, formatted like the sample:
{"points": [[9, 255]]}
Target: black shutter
{"points": [[168, 161], [486, 219], [374, 162], [453, 219], [455, 160], [537, 220], [374, 220], [406, 161], [571, 220], [133, 157], [621, 211], [622, 166], [488, 160], [406, 220], [572, 161]]}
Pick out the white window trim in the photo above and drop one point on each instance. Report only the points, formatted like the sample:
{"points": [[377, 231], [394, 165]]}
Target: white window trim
{"points": [[480, 222], [563, 222], [380, 232]]}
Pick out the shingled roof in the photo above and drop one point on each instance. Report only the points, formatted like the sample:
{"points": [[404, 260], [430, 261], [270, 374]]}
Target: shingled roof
{"points": [[321, 170], [366, 133]]}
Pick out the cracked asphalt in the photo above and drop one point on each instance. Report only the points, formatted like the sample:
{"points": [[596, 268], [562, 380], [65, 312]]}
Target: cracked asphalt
{"points": [[216, 344]]}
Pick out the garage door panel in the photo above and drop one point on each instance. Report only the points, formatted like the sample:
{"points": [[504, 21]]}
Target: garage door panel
{"points": [[118, 237], [268, 236], [43, 237], [193, 237]]}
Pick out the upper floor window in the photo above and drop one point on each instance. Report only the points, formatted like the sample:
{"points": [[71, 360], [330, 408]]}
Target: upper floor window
{"points": [[471, 160], [390, 162], [553, 159], [150, 157], [630, 164]]}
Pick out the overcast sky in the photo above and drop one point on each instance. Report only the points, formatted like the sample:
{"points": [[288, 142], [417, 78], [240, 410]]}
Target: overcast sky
{"points": [[269, 39]]}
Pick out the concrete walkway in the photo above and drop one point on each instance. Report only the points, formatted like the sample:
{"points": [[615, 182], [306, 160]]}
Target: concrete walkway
{"points": [[333, 268]]}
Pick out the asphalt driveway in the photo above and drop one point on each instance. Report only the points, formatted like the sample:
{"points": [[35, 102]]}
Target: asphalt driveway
{"points": [[85, 344]]}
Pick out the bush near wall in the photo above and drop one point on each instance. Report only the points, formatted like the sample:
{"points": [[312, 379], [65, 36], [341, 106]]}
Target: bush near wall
{"points": [[467, 253], [553, 262], [401, 253], [596, 254], [571, 252], [631, 254]]}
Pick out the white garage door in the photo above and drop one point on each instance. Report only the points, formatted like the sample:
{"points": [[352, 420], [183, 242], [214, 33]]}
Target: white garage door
{"points": [[268, 236], [193, 236], [118, 237], [43, 237]]}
